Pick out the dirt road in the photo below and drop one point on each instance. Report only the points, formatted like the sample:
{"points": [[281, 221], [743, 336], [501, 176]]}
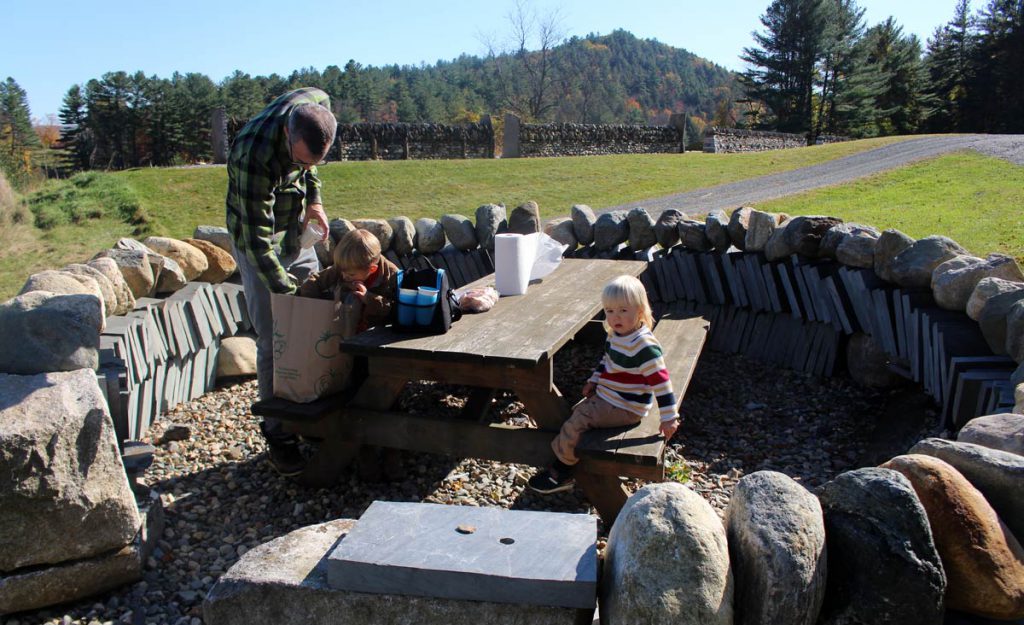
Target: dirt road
{"points": [[734, 194]]}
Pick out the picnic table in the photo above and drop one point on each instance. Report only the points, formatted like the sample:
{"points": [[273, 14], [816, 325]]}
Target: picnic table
{"points": [[512, 347]]}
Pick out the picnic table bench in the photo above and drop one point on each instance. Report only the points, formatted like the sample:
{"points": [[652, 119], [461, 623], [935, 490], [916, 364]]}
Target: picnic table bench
{"points": [[512, 347]]}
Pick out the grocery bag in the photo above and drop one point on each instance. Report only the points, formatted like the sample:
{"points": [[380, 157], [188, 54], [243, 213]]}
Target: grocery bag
{"points": [[308, 361]]}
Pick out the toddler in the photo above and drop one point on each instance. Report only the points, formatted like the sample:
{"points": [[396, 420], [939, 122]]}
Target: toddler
{"points": [[630, 377], [358, 268]]}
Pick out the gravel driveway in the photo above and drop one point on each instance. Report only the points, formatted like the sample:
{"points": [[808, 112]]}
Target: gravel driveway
{"points": [[744, 192]]}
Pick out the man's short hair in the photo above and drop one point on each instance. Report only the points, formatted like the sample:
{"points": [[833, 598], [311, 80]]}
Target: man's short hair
{"points": [[357, 249], [315, 126]]}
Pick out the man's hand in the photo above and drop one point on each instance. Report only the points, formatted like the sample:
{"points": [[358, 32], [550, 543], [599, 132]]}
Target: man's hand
{"points": [[588, 389], [668, 428], [316, 211]]}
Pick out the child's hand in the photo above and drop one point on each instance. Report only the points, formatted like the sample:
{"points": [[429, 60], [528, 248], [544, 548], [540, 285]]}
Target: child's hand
{"points": [[588, 389], [668, 428], [359, 290]]}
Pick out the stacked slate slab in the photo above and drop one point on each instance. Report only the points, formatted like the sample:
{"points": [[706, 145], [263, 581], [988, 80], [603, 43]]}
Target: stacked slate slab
{"points": [[797, 311], [164, 352]]}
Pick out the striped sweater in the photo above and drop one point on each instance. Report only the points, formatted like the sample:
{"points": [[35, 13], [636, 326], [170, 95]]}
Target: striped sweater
{"points": [[632, 373]]}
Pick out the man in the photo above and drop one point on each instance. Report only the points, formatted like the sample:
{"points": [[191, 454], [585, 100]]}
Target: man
{"points": [[273, 189]]}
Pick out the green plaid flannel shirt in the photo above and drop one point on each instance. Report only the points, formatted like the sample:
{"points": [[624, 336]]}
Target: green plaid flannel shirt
{"points": [[266, 193]]}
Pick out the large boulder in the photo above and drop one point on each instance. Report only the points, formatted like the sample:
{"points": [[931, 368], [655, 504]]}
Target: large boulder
{"points": [[641, 229], [666, 229], [171, 276], [111, 305], [218, 235], [998, 475], [1015, 332], [42, 331], [338, 227], [403, 239], [737, 227], [986, 289], [189, 258], [525, 218], [63, 476], [869, 365], [220, 265], [284, 582], [156, 261], [583, 220], [610, 230], [92, 285], [1004, 432], [135, 268], [429, 235], [913, 266], [838, 233], [460, 231], [717, 230], [883, 566], [804, 233], [855, 251], [237, 357], [777, 247], [380, 228], [984, 563], [490, 220], [890, 244], [993, 317], [56, 282], [667, 561], [562, 231], [954, 280], [760, 227], [777, 550], [693, 236], [110, 270]]}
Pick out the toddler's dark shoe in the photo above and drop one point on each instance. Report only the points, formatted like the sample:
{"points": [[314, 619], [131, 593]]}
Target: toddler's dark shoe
{"points": [[550, 481], [286, 458]]}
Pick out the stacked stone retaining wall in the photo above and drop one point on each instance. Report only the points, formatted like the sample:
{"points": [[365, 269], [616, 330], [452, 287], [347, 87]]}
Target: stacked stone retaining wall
{"points": [[401, 141], [597, 139], [727, 140]]}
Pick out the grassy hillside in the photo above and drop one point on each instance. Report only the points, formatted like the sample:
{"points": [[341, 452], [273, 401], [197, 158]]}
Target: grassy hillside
{"points": [[975, 200], [71, 220]]}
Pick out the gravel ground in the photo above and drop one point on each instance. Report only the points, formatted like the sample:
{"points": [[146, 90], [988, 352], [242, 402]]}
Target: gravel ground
{"points": [[754, 190], [222, 499]]}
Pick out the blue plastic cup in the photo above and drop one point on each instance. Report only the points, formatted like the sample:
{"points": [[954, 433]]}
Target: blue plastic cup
{"points": [[407, 299], [426, 298]]}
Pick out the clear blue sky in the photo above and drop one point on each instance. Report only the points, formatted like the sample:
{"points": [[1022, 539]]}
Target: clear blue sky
{"points": [[50, 46]]}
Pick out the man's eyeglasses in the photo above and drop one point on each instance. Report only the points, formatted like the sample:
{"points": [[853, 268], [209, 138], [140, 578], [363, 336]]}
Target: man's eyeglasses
{"points": [[299, 163]]}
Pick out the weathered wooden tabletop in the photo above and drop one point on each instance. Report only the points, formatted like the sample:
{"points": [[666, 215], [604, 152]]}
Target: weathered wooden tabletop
{"points": [[520, 330]]}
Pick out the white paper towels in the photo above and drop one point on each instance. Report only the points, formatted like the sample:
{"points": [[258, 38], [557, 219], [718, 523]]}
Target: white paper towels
{"points": [[513, 261]]}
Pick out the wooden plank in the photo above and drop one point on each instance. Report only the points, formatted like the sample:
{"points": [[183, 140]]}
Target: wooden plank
{"points": [[521, 329]]}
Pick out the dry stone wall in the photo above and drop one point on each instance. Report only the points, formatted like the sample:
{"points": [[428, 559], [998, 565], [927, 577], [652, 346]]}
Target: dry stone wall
{"points": [[726, 140], [401, 141], [597, 139]]}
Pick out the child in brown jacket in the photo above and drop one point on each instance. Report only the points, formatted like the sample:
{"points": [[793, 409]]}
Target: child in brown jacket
{"points": [[358, 268]]}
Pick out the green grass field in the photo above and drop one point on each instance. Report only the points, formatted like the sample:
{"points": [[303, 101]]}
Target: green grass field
{"points": [[70, 220], [973, 199]]}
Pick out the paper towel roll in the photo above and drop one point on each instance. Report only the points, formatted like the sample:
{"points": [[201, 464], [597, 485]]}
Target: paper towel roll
{"points": [[513, 260]]}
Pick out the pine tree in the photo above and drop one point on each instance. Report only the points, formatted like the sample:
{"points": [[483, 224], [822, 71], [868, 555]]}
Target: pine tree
{"points": [[948, 65], [76, 136], [785, 60], [996, 91], [898, 59], [17, 138]]}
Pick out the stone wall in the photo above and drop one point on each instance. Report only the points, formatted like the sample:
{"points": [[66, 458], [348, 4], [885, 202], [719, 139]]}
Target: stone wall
{"points": [[826, 139], [597, 139], [401, 141], [726, 140]]}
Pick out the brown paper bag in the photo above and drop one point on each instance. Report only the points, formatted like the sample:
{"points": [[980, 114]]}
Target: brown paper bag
{"points": [[308, 362]]}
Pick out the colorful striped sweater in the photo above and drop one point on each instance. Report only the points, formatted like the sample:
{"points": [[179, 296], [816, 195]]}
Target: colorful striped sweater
{"points": [[633, 372]]}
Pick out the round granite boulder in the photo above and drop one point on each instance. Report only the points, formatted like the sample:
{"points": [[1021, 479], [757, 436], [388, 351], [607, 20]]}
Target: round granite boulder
{"points": [[610, 230], [883, 566], [717, 229], [776, 539], [738, 221], [460, 231], [913, 266], [984, 563], [403, 235], [666, 229], [490, 220], [525, 219], [429, 235], [641, 229], [890, 244], [1004, 432], [583, 220]]}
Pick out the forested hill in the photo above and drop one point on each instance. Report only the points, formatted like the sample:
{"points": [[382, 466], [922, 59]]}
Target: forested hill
{"points": [[135, 119]]}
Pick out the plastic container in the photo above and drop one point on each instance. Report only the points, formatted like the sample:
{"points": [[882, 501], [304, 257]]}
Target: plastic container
{"points": [[407, 299], [426, 299], [311, 235]]}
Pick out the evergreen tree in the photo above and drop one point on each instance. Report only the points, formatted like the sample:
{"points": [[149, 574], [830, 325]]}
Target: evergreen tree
{"points": [[785, 58], [76, 136], [898, 59], [996, 91], [948, 66], [842, 79], [17, 138]]}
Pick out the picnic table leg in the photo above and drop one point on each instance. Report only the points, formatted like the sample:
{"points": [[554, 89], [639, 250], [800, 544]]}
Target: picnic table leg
{"points": [[338, 448], [477, 405], [606, 492], [543, 400]]}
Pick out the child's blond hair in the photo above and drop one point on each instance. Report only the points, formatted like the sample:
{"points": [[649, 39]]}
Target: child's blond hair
{"points": [[357, 249], [629, 291]]}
